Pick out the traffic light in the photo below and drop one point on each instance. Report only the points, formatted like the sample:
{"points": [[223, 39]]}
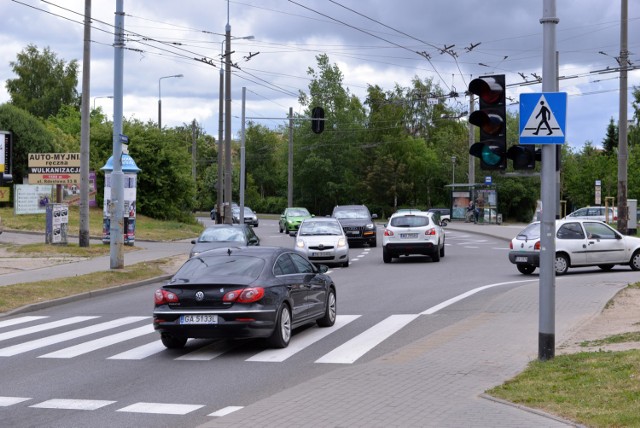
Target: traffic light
{"points": [[491, 119], [523, 156], [317, 120]]}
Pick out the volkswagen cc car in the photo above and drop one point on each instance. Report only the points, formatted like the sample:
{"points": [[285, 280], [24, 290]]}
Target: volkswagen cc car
{"points": [[578, 243], [243, 292]]}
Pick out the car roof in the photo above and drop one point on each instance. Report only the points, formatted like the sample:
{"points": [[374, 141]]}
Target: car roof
{"points": [[350, 206], [412, 213], [325, 219]]}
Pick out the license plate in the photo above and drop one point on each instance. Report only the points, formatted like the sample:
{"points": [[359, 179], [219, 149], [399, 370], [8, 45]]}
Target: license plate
{"points": [[353, 232], [522, 259], [198, 319], [408, 235], [321, 254]]}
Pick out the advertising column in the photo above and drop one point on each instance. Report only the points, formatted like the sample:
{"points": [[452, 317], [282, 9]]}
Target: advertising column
{"points": [[130, 171]]}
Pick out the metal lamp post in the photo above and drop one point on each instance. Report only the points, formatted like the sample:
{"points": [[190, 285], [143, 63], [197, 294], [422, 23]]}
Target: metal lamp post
{"points": [[95, 98], [453, 170], [160, 98]]}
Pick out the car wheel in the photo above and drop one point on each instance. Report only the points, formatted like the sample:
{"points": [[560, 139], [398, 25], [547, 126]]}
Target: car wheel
{"points": [[373, 243], [442, 251], [561, 264], [606, 268], [635, 261], [173, 342], [329, 317], [280, 228], [282, 332], [346, 264], [435, 256], [386, 256], [526, 269]]}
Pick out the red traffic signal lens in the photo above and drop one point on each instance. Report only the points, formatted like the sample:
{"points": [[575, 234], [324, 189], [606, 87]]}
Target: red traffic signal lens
{"points": [[487, 88]]}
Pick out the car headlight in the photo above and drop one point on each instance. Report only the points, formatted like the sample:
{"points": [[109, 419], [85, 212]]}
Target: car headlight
{"points": [[369, 226], [300, 243], [342, 242]]}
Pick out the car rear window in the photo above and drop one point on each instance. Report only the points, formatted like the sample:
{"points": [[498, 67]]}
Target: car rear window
{"points": [[409, 221], [206, 266], [530, 232]]}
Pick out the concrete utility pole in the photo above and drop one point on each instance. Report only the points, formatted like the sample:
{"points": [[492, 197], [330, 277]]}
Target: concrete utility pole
{"points": [[547, 288], [290, 162], [83, 234], [623, 156], [220, 187], [227, 124], [116, 208]]}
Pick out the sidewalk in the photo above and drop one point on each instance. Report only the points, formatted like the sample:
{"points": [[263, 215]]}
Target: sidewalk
{"points": [[437, 381]]}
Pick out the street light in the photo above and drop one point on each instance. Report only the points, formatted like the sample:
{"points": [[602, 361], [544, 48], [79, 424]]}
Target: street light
{"points": [[95, 98], [453, 170], [160, 98]]}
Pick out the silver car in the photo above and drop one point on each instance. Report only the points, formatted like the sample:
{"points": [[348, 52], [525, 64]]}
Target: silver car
{"points": [[323, 241]]}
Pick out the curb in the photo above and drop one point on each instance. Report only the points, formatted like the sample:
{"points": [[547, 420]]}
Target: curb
{"points": [[89, 294]]}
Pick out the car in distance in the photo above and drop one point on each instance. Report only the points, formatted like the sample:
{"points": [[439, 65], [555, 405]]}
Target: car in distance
{"points": [[244, 292], [579, 243], [409, 233], [606, 214], [445, 214], [322, 240], [357, 223], [212, 214], [291, 218], [249, 216], [224, 235]]}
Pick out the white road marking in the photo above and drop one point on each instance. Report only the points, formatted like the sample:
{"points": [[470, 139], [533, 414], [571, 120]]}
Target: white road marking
{"points": [[72, 404], [161, 408], [355, 348], [43, 327], [21, 320], [103, 342], [209, 352], [302, 341], [436, 308], [140, 352], [10, 401], [225, 411], [69, 335]]}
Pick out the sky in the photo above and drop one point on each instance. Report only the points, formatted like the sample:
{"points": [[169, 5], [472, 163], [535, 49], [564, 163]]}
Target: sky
{"points": [[373, 42]]}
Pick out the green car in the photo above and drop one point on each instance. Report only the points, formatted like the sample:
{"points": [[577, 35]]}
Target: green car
{"points": [[291, 218]]}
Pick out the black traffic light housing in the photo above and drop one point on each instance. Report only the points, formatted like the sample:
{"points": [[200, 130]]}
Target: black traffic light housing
{"points": [[524, 156], [317, 120], [491, 119]]}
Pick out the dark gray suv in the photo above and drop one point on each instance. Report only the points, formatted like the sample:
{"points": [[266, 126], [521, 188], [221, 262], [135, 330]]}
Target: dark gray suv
{"points": [[357, 223]]}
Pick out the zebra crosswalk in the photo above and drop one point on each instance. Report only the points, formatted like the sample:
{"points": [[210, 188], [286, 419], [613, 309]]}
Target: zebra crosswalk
{"points": [[40, 336]]}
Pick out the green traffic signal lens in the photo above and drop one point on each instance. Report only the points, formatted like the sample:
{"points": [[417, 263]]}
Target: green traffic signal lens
{"points": [[490, 157]]}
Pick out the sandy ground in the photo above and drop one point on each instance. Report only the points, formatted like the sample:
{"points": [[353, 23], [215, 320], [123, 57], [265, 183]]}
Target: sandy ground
{"points": [[621, 315]]}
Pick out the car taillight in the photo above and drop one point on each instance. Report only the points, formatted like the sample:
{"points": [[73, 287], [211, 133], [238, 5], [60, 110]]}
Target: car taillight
{"points": [[387, 232], [537, 246], [511, 245], [430, 232], [247, 295], [161, 297]]}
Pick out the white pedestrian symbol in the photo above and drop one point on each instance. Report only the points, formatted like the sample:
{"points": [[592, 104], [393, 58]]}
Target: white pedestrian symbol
{"points": [[546, 114]]}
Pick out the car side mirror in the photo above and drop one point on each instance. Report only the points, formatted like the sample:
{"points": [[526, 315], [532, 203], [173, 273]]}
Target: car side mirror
{"points": [[193, 241], [374, 216], [443, 223], [323, 268], [292, 234]]}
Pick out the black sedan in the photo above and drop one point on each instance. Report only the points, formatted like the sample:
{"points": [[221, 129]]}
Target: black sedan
{"points": [[244, 292], [223, 235]]}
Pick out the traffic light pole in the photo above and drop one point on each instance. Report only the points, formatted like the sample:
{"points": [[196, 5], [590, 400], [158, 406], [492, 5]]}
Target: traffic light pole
{"points": [[546, 330]]}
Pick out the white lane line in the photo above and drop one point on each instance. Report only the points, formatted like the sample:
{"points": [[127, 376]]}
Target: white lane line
{"points": [[209, 352], [302, 341], [72, 404], [225, 411], [43, 327], [161, 408], [355, 348], [10, 401], [69, 335], [436, 308], [140, 352], [21, 320], [103, 342]]}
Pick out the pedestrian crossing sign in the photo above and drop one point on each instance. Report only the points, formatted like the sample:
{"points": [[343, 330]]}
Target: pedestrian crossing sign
{"points": [[543, 118]]}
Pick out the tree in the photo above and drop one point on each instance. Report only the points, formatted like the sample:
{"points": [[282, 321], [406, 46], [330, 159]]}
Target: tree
{"points": [[44, 83], [610, 142]]}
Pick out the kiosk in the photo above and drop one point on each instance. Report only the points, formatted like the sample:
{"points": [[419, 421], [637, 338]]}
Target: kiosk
{"points": [[130, 171]]}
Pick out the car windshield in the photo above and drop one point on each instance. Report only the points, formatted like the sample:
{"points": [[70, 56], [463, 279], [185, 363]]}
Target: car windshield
{"points": [[201, 269], [530, 232], [409, 221], [309, 228], [221, 234], [298, 213], [352, 213]]}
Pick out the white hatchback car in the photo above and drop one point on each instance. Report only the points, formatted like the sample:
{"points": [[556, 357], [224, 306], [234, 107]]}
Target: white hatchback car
{"points": [[413, 232], [323, 241], [578, 243]]}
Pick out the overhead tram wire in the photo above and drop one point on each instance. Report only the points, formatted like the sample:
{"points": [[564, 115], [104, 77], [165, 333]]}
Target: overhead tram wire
{"points": [[372, 35]]}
